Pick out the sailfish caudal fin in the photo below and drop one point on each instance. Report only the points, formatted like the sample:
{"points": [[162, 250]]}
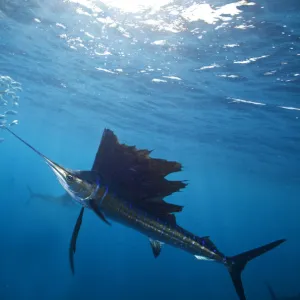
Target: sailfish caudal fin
{"points": [[236, 264]]}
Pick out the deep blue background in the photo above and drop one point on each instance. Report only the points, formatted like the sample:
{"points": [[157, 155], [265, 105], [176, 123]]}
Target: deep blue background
{"points": [[241, 158]]}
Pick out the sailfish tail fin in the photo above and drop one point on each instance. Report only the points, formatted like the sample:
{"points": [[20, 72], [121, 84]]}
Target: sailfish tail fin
{"points": [[236, 264]]}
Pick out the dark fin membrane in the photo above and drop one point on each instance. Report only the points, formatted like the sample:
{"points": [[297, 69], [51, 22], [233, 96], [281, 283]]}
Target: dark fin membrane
{"points": [[133, 175], [271, 291], [236, 264], [158, 205], [156, 247], [72, 248], [170, 218]]}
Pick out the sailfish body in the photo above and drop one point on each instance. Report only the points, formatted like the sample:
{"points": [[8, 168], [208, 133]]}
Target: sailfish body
{"points": [[159, 229], [127, 186]]}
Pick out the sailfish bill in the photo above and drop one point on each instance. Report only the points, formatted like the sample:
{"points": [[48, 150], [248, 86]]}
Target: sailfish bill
{"points": [[128, 186]]}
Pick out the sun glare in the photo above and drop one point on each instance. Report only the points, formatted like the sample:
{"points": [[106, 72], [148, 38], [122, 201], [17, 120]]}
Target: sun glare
{"points": [[136, 5], [125, 5]]}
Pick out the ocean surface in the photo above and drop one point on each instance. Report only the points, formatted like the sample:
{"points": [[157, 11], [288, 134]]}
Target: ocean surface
{"points": [[214, 85]]}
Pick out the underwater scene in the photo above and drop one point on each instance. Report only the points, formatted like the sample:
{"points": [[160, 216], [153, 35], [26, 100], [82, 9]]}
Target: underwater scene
{"points": [[149, 149]]}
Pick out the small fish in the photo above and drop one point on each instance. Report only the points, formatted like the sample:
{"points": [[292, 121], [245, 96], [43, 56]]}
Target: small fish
{"points": [[18, 88], [14, 122], [64, 199], [11, 112], [2, 102]]}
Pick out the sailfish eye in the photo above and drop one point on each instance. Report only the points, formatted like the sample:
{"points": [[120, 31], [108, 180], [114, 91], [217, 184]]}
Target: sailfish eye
{"points": [[69, 177]]}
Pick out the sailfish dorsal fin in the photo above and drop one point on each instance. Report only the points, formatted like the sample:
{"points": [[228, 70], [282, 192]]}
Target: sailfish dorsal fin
{"points": [[135, 176]]}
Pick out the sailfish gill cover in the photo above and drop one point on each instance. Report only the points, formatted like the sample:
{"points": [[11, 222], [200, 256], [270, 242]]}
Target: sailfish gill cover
{"points": [[212, 85]]}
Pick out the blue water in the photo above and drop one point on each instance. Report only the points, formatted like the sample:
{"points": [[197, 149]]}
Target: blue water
{"points": [[213, 85]]}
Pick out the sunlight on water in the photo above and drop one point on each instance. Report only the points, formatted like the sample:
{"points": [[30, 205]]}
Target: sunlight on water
{"points": [[126, 6], [235, 100], [118, 33], [251, 59], [195, 12], [99, 33], [137, 5], [210, 15], [291, 108], [246, 101], [203, 11]]}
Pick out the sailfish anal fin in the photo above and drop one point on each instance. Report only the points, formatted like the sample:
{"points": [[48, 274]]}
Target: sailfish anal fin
{"points": [[156, 247]]}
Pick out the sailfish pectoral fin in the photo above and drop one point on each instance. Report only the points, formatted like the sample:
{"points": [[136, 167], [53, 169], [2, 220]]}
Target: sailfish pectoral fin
{"points": [[93, 205], [72, 248]]}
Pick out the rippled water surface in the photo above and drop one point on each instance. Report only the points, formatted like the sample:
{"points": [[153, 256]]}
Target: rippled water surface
{"points": [[214, 84]]}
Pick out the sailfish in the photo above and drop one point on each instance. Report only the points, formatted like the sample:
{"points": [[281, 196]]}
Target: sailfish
{"points": [[127, 186]]}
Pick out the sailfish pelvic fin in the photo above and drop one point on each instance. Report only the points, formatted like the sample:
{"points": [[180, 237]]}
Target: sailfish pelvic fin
{"points": [[72, 247]]}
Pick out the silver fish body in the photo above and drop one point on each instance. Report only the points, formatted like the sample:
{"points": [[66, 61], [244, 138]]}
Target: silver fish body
{"points": [[158, 229]]}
